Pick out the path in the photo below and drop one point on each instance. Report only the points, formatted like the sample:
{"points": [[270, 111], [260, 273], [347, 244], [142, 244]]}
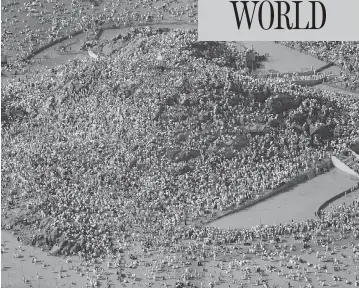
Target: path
{"points": [[284, 59], [298, 204], [108, 34]]}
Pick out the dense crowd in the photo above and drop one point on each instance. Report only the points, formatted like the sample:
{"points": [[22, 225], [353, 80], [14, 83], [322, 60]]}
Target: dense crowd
{"points": [[98, 149], [353, 162], [28, 26], [344, 54]]}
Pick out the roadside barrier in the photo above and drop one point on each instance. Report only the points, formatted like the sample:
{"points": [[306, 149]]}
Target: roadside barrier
{"points": [[336, 197]]}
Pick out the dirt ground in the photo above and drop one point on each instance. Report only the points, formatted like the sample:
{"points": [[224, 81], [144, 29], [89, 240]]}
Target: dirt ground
{"points": [[52, 271]]}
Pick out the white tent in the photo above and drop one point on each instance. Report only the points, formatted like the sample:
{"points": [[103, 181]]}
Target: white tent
{"points": [[92, 55]]}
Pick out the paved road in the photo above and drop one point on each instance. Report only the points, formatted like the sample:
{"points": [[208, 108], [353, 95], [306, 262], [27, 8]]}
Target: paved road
{"points": [[298, 204]]}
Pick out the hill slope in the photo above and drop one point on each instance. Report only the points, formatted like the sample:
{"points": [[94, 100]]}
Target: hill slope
{"points": [[94, 149]]}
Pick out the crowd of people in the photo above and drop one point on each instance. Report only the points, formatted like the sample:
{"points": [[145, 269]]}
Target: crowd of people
{"points": [[99, 149], [238, 257], [345, 54], [28, 26]]}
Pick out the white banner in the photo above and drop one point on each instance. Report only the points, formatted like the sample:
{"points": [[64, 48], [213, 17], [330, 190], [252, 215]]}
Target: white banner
{"points": [[269, 20]]}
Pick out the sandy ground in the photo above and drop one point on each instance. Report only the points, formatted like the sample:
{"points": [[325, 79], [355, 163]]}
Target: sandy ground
{"points": [[298, 204], [48, 267], [56, 272]]}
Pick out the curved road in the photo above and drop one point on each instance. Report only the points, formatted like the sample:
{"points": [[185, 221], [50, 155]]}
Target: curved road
{"points": [[299, 204]]}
